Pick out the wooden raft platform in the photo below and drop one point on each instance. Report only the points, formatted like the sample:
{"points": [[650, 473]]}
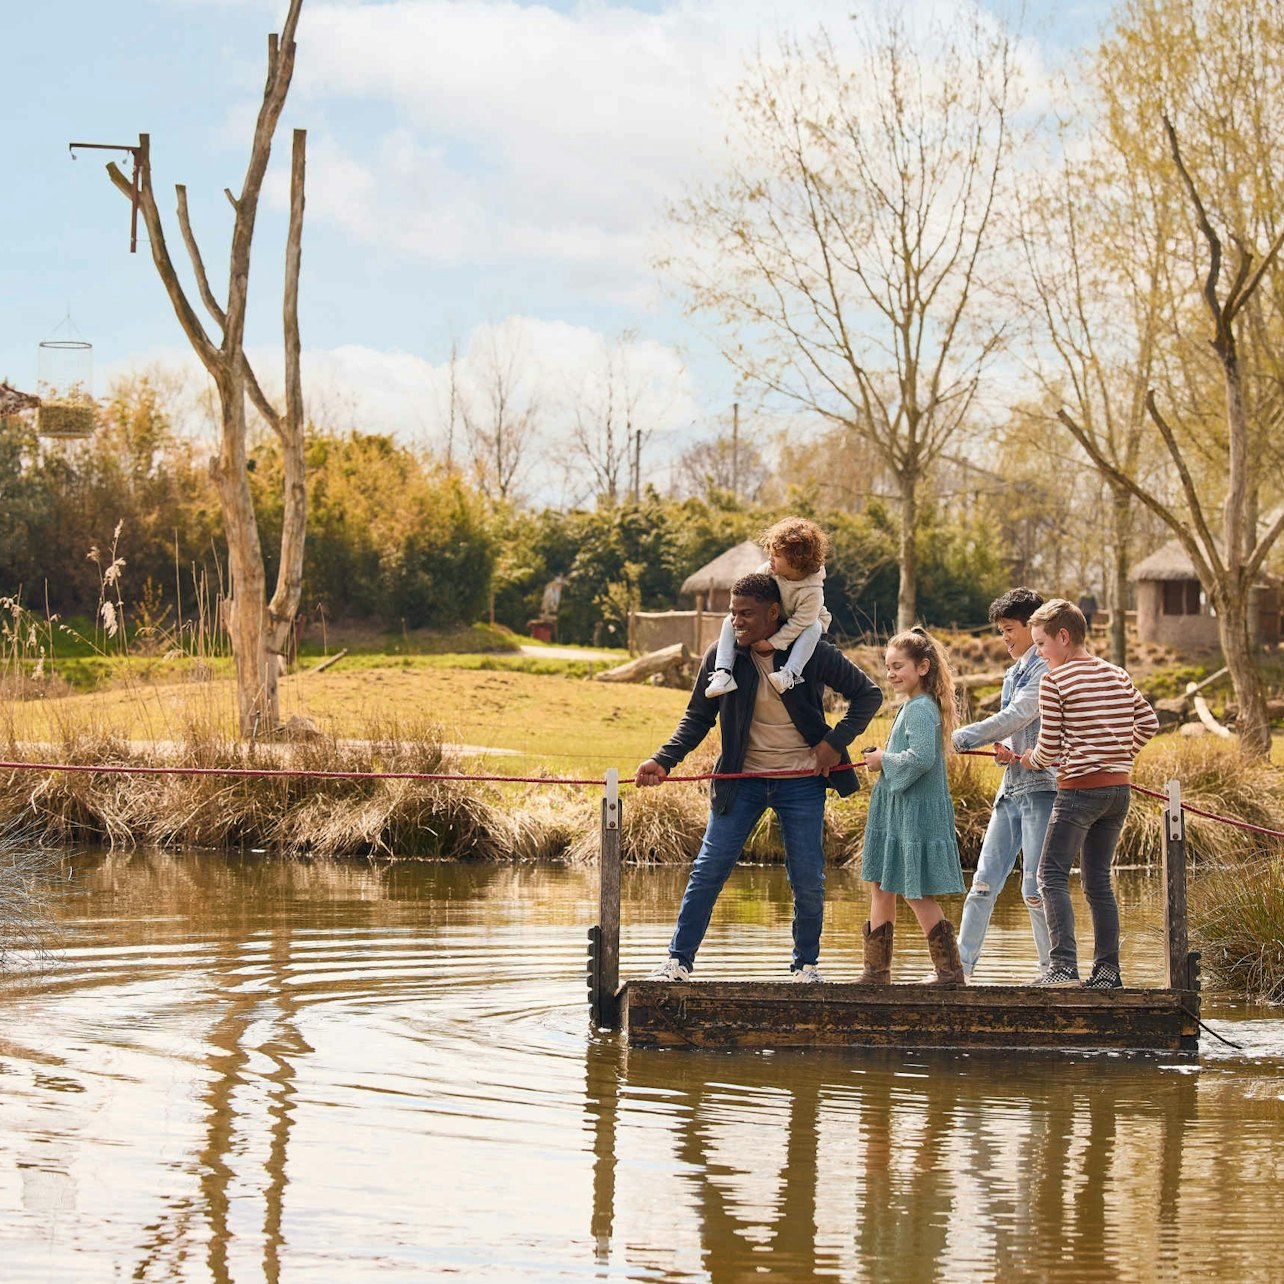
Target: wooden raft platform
{"points": [[778, 1014], [781, 1014]]}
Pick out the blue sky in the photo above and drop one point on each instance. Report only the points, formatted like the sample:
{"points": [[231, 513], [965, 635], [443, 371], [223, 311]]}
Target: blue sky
{"points": [[470, 162]]}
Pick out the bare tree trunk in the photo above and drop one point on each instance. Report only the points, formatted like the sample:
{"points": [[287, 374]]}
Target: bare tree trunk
{"points": [[1121, 529], [245, 560], [259, 631], [284, 607], [907, 554], [1233, 627]]}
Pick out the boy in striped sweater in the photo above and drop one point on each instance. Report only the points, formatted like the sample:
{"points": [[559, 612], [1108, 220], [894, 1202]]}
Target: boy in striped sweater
{"points": [[1093, 723]]}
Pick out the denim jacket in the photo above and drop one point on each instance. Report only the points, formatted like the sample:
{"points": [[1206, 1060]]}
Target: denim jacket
{"points": [[1016, 724]]}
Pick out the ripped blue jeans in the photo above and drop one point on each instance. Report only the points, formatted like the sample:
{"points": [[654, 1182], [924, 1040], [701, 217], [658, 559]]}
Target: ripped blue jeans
{"points": [[1017, 825]]}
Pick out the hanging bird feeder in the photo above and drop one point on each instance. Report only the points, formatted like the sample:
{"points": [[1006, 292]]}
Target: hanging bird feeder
{"points": [[64, 383]]}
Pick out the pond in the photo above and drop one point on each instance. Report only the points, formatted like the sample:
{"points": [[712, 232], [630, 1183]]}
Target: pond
{"points": [[239, 1070]]}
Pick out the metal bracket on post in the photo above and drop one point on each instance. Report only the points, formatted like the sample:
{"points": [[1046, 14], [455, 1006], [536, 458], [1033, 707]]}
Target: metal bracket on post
{"points": [[1174, 821], [613, 798]]}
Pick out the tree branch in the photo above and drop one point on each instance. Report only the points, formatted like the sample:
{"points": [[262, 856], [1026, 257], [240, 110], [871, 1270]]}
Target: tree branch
{"points": [[1116, 475], [209, 354], [1187, 482], [198, 264], [290, 307]]}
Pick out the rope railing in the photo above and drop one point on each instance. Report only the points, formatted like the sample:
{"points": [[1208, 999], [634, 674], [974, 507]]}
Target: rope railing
{"points": [[308, 773]]}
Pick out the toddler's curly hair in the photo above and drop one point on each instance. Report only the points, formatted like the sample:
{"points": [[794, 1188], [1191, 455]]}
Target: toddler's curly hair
{"points": [[801, 541]]}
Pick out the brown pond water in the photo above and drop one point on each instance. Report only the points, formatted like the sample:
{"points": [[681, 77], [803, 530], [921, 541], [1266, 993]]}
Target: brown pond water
{"points": [[241, 1071]]}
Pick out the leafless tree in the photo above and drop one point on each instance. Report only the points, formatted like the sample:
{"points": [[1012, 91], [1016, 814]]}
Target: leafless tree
{"points": [[614, 413], [259, 628], [843, 251], [500, 414]]}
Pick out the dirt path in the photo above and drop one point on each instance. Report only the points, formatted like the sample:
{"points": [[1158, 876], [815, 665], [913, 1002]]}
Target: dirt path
{"points": [[572, 653]]}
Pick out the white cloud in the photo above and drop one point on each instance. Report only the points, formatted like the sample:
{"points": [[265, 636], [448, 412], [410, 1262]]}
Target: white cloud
{"points": [[524, 134], [407, 397], [528, 135]]}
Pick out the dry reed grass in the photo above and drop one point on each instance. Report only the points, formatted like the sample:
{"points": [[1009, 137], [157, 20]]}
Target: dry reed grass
{"points": [[292, 816], [1215, 778], [658, 826], [1237, 920]]}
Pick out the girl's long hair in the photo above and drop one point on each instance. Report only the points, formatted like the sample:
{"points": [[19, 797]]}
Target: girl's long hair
{"points": [[938, 681]]}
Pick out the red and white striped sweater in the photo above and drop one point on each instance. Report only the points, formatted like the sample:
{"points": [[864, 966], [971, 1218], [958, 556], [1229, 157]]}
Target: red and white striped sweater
{"points": [[1093, 722]]}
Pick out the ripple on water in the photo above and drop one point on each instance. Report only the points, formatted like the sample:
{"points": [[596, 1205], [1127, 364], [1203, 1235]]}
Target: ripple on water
{"points": [[285, 1073]]}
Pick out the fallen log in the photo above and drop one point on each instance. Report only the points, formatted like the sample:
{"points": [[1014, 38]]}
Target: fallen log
{"points": [[325, 664], [1205, 714], [971, 681], [646, 666]]}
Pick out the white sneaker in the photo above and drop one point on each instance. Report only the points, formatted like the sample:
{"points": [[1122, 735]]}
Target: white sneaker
{"points": [[782, 680], [671, 970], [720, 684], [808, 974]]}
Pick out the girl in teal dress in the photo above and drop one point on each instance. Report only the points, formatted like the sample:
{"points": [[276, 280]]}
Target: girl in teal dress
{"points": [[911, 848]]}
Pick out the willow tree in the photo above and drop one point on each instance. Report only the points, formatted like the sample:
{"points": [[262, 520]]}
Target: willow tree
{"points": [[1094, 293], [259, 628], [841, 252], [1190, 89]]}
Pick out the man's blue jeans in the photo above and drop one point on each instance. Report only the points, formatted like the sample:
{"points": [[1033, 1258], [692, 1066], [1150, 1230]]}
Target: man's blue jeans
{"points": [[1085, 823], [1016, 825], [800, 806]]}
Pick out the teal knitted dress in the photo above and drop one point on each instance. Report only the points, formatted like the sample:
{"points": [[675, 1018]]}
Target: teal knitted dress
{"points": [[910, 842]]}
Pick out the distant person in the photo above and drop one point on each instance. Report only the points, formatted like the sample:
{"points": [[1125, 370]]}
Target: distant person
{"points": [[1094, 722], [911, 848], [1019, 816], [796, 550], [1088, 605], [765, 730]]}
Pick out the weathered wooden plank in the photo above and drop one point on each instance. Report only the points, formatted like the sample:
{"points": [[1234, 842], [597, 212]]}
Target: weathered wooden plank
{"points": [[604, 977], [1176, 935], [773, 1014]]}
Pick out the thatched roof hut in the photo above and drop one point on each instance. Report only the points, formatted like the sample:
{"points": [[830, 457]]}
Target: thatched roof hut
{"points": [[1171, 562], [1173, 609], [714, 579]]}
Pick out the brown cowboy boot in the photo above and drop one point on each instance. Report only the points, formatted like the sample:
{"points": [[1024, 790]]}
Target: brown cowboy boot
{"points": [[944, 949], [878, 956]]}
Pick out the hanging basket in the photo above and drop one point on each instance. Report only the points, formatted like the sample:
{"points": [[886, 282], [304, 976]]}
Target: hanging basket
{"points": [[67, 408]]}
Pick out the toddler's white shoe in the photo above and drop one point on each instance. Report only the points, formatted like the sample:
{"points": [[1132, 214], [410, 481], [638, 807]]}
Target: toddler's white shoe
{"points": [[720, 684], [782, 680]]}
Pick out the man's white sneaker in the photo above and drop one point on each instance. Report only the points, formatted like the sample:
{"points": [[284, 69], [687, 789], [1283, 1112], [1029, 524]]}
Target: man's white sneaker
{"points": [[809, 973], [782, 680], [719, 684], [671, 970]]}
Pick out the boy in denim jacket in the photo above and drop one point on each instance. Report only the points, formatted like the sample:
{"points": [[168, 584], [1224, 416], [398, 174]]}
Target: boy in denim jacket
{"points": [[1023, 804]]}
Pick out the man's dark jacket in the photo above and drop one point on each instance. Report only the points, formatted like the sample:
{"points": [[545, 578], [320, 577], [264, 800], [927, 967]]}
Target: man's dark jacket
{"points": [[804, 702]]}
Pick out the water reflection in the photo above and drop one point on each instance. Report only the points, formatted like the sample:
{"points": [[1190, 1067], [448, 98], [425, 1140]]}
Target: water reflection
{"points": [[244, 1071]]}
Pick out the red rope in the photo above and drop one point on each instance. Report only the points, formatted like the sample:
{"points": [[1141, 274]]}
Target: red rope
{"points": [[291, 771], [308, 774]]}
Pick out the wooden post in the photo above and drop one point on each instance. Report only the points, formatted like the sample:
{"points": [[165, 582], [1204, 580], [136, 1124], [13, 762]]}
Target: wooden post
{"points": [[1177, 969], [604, 936], [697, 648]]}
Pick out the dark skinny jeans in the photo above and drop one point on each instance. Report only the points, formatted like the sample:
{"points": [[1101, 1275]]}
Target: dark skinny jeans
{"points": [[1084, 823]]}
